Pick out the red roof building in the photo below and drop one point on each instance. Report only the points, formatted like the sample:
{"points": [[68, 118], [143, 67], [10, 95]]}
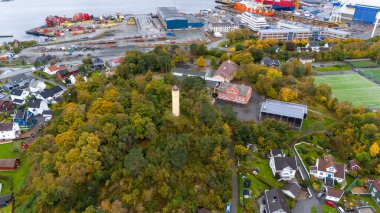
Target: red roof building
{"points": [[71, 70], [9, 164], [52, 70], [240, 94]]}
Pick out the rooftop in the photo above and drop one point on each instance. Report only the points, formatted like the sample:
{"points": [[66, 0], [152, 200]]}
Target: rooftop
{"points": [[169, 12], [6, 126], [275, 200], [284, 109], [243, 90]]}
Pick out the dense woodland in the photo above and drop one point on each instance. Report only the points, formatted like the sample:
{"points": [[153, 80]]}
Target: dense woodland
{"points": [[113, 145]]}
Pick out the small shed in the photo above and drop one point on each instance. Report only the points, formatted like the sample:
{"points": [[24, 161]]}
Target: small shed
{"points": [[9, 164]]}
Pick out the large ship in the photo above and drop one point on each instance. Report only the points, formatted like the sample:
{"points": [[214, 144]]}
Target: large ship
{"points": [[253, 7], [274, 4]]}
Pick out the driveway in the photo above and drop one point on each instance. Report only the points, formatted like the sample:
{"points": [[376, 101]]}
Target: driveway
{"points": [[304, 206], [245, 112]]}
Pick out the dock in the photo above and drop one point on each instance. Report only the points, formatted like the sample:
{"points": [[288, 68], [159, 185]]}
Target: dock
{"points": [[6, 36]]}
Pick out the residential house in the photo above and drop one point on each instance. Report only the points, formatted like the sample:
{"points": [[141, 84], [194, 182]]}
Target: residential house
{"points": [[240, 94], [275, 201], [306, 60], [374, 189], [6, 106], [283, 167], [50, 94], [47, 115], [97, 64], [314, 46], [69, 71], [73, 79], [52, 70], [5, 200], [326, 168], [277, 153], [353, 165], [292, 189], [270, 62], [37, 106], [116, 61], [24, 118], [9, 164], [226, 71], [36, 86], [334, 194], [18, 96], [18, 81], [246, 193], [9, 131]]}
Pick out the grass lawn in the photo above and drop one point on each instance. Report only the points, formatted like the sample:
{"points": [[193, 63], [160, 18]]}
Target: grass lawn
{"points": [[371, 202], [307, 150], [349, 180], [353, 88], [42, 74], [310, 123], [366, 63], [328, 209], [314, 209], [13, 150], [372, 73], [332, 68], [49, 85]]}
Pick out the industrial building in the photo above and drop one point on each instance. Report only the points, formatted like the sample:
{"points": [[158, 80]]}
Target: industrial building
{"points": [[173, 19], [285, 34], [290, 113], [366, 11], [254, 22]]}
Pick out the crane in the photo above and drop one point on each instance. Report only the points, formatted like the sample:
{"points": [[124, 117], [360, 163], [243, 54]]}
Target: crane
{"points": [[297, 4]]}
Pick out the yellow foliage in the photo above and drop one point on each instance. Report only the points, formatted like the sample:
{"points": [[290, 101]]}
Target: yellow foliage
{"points": [[232, 49], [201, 62], [374, 149], [287, 94], [273, 73]]}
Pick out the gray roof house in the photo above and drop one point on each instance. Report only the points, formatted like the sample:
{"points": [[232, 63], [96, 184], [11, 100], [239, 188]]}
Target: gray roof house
{"points": [[284, 168], [270, 62], [290, 113], [292, 189], [18, 81], [275, 201], [277, 153]]}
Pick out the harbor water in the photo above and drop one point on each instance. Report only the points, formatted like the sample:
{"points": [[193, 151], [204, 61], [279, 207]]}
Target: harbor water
{"points": [[17, 16]]}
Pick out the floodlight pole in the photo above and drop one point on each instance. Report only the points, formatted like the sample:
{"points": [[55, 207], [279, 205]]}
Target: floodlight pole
{"points": [[374, 27]]}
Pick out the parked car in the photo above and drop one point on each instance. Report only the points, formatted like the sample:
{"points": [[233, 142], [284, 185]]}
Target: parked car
{"points": [[228, 208], [247, 183], [331, 204], [340, 210], [320, 194]]}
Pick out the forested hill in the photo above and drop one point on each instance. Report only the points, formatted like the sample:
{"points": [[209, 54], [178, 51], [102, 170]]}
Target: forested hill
{"points": [[113, 146]]}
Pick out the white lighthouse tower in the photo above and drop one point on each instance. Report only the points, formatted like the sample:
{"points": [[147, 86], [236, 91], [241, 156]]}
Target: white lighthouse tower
{"points": [[175, 100]]}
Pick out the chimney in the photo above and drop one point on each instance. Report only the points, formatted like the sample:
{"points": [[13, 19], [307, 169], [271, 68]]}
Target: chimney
{"points": [[274, 199]]}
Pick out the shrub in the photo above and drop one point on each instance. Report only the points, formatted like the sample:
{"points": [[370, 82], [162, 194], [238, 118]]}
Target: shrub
{"points": [[310, 160], [360, 183]]}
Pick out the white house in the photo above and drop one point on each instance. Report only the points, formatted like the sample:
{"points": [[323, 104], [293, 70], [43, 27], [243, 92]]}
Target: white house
{"points": [[52, 70], [284, 168], [36, 86], [224, 27], [19, 96], [306, 60], [326, 168], [314, 46], [37, 106], [334, 194], [9, 131]]}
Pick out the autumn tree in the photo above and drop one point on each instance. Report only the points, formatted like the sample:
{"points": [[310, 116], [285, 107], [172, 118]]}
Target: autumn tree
{"points": [[201, 62]]}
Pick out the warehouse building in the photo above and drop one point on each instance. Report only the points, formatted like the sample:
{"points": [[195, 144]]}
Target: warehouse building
{"points": [[290, 113], [173, 19], [366, 11]]}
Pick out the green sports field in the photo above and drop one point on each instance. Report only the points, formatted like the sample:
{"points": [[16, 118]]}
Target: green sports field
{"points": [[365, 63], [353, 88], [372, 73]]}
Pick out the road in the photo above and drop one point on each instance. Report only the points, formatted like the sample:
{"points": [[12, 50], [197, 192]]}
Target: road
{"points": [[304, 205], [235, 186]]}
